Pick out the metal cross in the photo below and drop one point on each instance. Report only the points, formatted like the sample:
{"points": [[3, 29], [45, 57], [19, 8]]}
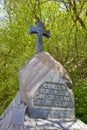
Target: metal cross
{"points": [[40, 33]]}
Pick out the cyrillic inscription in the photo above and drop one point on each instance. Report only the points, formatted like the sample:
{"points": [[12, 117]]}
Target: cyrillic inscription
{"points": [[53, 95]]}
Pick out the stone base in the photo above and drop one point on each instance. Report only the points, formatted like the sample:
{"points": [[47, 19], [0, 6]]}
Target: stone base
{"points": [[15, 117], [53, 124]]}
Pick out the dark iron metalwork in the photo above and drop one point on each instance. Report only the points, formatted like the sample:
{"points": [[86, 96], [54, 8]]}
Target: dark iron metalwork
{"points": [[40, 33]]}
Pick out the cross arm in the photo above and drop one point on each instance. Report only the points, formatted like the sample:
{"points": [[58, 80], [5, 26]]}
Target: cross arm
{"points": [[32, 29], [46, 33]]}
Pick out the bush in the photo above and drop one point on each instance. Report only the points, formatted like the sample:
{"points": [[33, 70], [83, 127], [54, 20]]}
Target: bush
{"points": [[80, 94]]}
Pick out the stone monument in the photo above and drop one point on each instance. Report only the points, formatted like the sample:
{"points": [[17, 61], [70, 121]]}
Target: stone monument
{"points": [[45, 100]]}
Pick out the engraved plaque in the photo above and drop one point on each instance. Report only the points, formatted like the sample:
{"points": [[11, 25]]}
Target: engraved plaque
{"points": [[53, 95], [52, 100]]}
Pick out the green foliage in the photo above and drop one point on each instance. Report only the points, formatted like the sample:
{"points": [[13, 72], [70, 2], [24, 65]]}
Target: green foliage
{"points": [[80, 93], [67, 44]]}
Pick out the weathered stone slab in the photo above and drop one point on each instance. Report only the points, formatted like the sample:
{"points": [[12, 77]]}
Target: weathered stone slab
{"points": [[16, 127], [55, 124], [6, 121], [18, 115], [16, 101]]}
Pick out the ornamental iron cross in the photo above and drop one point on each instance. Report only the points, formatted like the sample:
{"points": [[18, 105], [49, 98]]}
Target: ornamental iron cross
{"points": [[40, 33]]}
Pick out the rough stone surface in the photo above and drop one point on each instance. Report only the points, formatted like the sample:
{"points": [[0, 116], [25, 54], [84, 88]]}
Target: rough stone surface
{"points": [[36, 124], [40, 69], [45, 87]]}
